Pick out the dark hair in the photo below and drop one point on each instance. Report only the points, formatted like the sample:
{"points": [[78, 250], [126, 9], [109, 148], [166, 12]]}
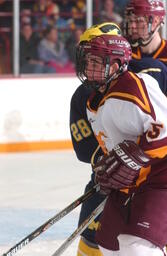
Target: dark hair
{"points": [[48, 30], [25, 24]]}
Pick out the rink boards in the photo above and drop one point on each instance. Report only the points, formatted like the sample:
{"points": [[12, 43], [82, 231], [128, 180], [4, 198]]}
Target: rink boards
{"points": [[35, 113]]}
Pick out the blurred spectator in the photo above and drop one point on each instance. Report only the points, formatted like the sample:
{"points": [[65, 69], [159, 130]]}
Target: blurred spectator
{"points": [[71, 43], [64, 25], [26, 15], [52, 51], [40, 6], [29, 60], [6, 7], [119, 6], [65, 8], [25, 5], [40, 9], [54, 18], [108, 13], [6, 36], [47, 13], [79, 13], [5, 59]]}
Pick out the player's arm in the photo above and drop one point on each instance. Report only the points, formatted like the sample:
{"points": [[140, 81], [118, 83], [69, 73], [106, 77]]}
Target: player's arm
{"points": [[83, 139], [120, 168], [133, 120]]}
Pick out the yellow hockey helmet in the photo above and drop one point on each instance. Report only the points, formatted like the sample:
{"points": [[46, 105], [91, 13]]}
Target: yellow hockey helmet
{"points": [[106, 28]]}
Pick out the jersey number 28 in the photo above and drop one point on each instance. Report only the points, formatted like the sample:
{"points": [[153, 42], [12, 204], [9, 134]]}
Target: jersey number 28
{"points": [[80, 130]]}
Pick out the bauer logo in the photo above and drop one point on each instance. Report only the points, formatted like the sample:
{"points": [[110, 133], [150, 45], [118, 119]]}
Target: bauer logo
{"points": [[126, 159], [18, 247]]}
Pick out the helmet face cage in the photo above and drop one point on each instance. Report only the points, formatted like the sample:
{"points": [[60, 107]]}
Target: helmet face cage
{"points": [[95, 70], [95, 57], [139, 17], [90, 75], [80, 62], [138, 29]]}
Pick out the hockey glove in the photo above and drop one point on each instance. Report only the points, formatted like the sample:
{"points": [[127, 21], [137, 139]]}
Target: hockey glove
{"points": [[121, 167]]}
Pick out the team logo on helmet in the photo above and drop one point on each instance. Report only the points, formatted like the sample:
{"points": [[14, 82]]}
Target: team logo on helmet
{"points": [[120, 42], [153, 1]]}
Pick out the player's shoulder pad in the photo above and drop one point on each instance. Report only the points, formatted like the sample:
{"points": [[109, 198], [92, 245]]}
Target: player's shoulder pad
{"points": [[146, 64], [161, 52], [79, 99], [81, 92], [153, 67], [131, 87]]}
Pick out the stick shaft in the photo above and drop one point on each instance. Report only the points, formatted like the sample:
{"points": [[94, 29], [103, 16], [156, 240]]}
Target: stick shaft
{"points": [[51, 221], [80, 229]]}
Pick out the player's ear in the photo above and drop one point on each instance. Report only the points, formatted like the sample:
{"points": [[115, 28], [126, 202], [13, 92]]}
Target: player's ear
{"points": [[114, 67], [155, 22]]}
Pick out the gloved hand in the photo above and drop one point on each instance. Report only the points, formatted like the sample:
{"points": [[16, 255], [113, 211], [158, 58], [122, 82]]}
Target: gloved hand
{"points": [[121, 167]]}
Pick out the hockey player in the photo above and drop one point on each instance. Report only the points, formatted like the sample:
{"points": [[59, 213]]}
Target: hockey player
{"points": [[85, 144], [79, 130], [143, 20], [127, 112]]}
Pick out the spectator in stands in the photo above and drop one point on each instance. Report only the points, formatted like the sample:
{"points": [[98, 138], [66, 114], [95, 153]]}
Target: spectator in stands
{"points": [[6, 36], [26, 16], [65, 8], [40, 10], [52, 51], [108, 13], [6, 8], [79, 13], [5, 54], [29, 60], [119, 6], [71, 43], [40, 6], [24, 4], [55, 19]]}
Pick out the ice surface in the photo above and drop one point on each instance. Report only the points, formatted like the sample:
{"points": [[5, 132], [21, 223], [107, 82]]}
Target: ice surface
{"points": [[33, 188]]}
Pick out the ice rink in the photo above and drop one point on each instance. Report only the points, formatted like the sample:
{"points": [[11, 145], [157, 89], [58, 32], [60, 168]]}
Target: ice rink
{"points": [[33, 188]]}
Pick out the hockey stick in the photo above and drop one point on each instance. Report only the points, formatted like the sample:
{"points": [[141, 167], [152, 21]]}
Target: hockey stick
{"points": [[51, 221], [80, 229]]}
